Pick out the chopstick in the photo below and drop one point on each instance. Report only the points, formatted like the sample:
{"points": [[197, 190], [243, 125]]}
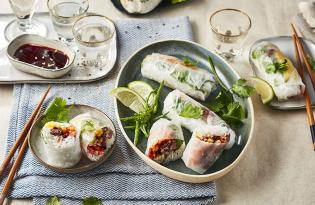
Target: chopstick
{"points": [[301, 49], [23, 134], [16, 165], [308, 104]]}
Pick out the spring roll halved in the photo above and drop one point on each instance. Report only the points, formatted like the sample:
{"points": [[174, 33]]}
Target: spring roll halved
{"points": [[192, 80], [191, 114], [278, 70], [166, 141], [205, 147]]}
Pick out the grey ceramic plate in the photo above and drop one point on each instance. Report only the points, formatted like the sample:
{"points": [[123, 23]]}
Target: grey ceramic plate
{"points": [[178, 170], [285, 44], [36, 147]]}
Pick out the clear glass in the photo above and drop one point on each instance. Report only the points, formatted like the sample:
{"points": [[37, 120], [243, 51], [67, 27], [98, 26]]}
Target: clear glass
{"points": [[24, 10], [93, 35], [64, 13], [230, 28]]}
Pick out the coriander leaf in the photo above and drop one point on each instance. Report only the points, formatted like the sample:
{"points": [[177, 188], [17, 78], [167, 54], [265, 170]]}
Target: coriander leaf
{"points": [[235, 109], [87, 125], [57, 111], [177, 1], [191, 111], [277, 66], [257, 53], [241, 89], [216, 106], [311, 61], [92, 201], [181, 76], [189, 62], [54, 200], [179, 143]]}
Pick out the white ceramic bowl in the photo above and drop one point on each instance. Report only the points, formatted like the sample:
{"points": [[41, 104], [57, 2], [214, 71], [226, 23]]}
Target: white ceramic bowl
{"points": [[38, 40]]}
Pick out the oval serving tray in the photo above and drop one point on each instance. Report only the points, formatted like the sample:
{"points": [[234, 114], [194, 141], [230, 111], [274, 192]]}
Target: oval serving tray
{"points": [[36, 147], [177, 169], [285, 44]]}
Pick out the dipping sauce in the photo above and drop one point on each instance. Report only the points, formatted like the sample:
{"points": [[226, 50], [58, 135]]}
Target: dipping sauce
{"points": [[41, 56]]}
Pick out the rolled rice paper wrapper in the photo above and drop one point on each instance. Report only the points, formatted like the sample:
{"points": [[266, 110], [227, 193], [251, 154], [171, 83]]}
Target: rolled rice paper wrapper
{"points": [[176, 101], [61, 151], [192, 80], [171, 134], [200, 155], [139, 6]]}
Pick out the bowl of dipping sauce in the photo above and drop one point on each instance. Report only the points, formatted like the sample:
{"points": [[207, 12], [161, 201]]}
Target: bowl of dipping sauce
{"points": [[40, 56]]}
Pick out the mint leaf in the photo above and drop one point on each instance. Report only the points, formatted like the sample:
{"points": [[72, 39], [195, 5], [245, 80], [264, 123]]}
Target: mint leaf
{"points": [[92, 201], [191, 111], [57, 111], [54, 200], [241, 89]]}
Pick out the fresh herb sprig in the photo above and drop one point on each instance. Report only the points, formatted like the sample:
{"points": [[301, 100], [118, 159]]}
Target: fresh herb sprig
{"points": [[141, 122], [188, 62], [54, 200], [311, 61], [224, 105], [277, 66], [57, 111]]}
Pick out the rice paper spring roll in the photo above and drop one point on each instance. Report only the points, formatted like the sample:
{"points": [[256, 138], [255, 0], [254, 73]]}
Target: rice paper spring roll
{"points": [[191, 114], [61, 144], [96, 138], [204, 147], [192, 80], [274, 67], [166, 141], [139, 6]]}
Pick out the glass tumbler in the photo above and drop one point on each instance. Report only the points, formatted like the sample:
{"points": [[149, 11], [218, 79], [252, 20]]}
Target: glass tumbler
{"points": [[64, 13], [93, 35], [230, 28]]}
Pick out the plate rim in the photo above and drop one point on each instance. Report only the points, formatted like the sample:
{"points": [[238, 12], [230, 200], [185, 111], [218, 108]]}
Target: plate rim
{"points": [[72, 170], [190, 178]]}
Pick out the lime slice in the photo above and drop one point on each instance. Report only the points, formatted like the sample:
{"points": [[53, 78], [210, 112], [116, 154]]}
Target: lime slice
{"points": [[143, 89], [264, 89], [129, 98]]}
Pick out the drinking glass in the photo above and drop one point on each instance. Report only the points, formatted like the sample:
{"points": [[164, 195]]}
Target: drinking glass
{"points": [[230, 28], [93, 35], [64, 13], [24, 10]]}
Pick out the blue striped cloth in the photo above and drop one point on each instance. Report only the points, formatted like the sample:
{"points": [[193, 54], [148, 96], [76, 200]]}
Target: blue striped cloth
{"points": [[124, 178]]}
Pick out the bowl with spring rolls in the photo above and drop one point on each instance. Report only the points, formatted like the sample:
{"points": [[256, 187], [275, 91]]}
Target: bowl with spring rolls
{"points": [[176, 132]]}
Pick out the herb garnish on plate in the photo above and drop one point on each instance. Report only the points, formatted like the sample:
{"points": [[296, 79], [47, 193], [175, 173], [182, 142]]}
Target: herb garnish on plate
{"points": [[57, 111]]}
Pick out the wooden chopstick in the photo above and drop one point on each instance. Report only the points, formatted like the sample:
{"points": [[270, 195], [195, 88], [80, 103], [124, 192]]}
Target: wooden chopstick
{"points": [[16, 164], [304, 56], [23, 134], [308, 104]]}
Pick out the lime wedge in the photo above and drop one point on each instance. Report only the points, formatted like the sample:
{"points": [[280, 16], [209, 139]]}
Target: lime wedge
{"points": [[143, 89], [264, 89], [129, 98]]}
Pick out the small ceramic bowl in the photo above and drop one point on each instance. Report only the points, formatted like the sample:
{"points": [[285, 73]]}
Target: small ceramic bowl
{"points": [[36, 142], [38, 40]]}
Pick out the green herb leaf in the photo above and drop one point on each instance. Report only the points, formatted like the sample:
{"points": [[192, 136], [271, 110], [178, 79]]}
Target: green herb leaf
{"points": [[177, 1], [277, 66], [257, 53], [57, 111], [191, 111], [241, 89], [179, 143], [311, 61], [181, 76], [215, 73], [189, 62], [235, 114], [92, 201], [87, 125], [54, 200]]}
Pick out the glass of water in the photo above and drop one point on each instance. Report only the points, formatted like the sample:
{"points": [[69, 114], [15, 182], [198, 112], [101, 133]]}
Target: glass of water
{"points": [[24, 24], [94, 35], [64, 13], [230, 28]]}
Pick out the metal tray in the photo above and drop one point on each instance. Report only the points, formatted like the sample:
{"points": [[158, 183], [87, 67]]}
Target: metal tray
{"points": [[285, 44], [78, 74]]}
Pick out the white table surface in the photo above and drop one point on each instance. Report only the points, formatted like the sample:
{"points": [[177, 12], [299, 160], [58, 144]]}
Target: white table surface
{"points": [[279, 165]]}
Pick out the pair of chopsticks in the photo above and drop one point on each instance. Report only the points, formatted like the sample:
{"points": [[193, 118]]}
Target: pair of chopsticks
{"points": [[23, 137], [298, 47]]}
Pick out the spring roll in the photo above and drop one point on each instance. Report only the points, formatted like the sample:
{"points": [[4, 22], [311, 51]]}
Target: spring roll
{"points": [[191, 114], [61, 144], [192, 80], [205, 147], [96, 138], [166, 141], [271, 65], [139, 6]]}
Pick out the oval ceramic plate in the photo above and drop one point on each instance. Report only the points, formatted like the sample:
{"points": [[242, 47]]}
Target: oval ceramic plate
{"points": [[285, 44], [36, 143], [177, 169]]}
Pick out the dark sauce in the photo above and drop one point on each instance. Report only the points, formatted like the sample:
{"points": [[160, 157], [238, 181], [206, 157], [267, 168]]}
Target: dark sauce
{"points": [[41, 56]]}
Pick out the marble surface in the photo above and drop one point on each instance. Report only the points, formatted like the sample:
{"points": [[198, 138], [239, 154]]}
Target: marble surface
{"points": [[278, 167]]}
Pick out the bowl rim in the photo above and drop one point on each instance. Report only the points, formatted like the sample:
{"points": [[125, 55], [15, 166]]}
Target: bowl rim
{"points": [[69, 170], [67, 66], [190, 178]]}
